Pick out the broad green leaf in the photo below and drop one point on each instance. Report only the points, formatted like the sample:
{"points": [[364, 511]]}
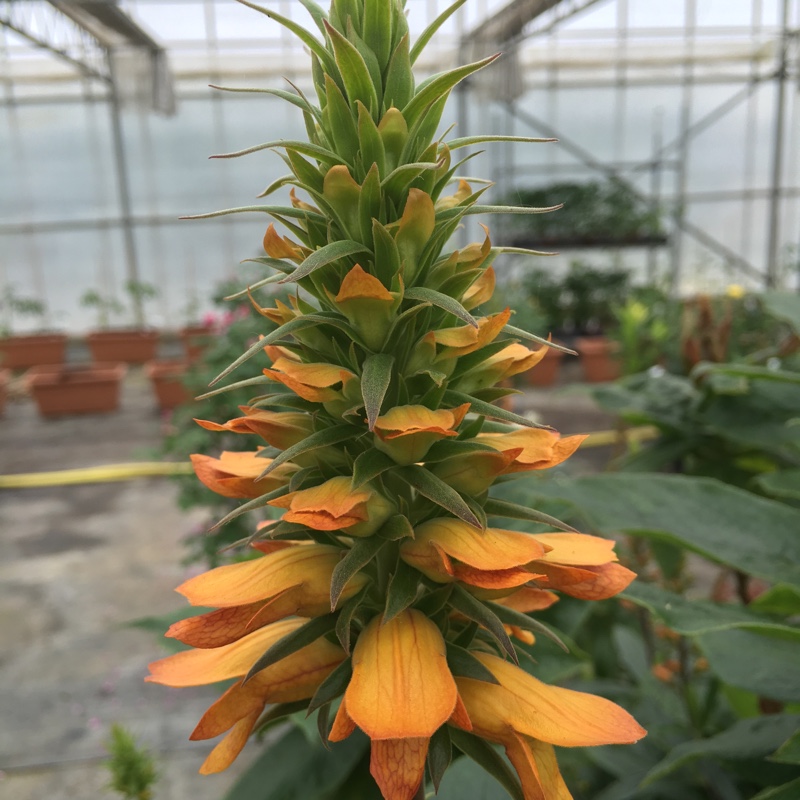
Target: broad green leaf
{"points": [[781, 599], [324, 256], [784, 306], [759, 662], [369, 465], [745, 739], [290, 767], [434, 26], [695, 617], [358, 556], [789, 751], [788, 791], [294, 641], [435, 489], [323, 438], [785, 483], [727, 525], [502, 508], [375, 381], [464, 780], [442, 301], [474, 609], [463, 664]]}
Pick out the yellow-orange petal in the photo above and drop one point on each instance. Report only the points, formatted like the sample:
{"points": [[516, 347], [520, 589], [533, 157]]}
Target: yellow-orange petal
{"points": [[398, 766], [250, 581], [407, 420], [492, 578], [576, 549], [551, 714], [491, 549], [198, 667], [343, 724], [538, 448], [358, 284], [401, 685], [224, 754], [587, 583], [526, 599], [329, 506]]}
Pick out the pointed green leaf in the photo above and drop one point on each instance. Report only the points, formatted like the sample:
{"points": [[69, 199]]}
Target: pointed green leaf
{"points": [[403, 587], [521, 334], [306, 148], [369, 203], [354, 71], [483, 754], [464, 665], [468, 141], [369, 465], [434, 26], [423, 295], [324, 256], [399, 87], [374, 382], [358, 556], [370, 141], [333, 686], [340, 124], [250, 505], [438, 88], [488, 410], [378, 29], [297, 100], [292, 642], [345, 620], [502, 508], [440, 753], [232, 387], [387, 256], [435, 489], [323, 438], [474, 609], [317, 14], [395, 528], [510, 616]]}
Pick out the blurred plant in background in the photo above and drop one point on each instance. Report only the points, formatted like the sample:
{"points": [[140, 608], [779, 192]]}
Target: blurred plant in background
{"points": [[133, 770]]}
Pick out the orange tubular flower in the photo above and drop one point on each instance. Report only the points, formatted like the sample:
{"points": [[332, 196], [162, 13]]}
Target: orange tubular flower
{"points": [[528, 717], [334, 506], [234, 474], [295, 677], [581, 566], [406, 433], [456, 342], [448, 550], [510, 361], [536, 448], [280, 429], [481, 291], [292, 578], [314, 382], [400, 694], [277, 246]]}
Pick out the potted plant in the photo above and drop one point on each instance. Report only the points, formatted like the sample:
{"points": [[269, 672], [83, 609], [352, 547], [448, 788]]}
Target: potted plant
{"points": [[195, 334], [21, 352], [5, 376], [61, 390], [167, 379], [133, 345]]}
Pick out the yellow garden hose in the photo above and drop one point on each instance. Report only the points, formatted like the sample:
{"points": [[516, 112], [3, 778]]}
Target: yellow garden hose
{"points": [[148, 469]]}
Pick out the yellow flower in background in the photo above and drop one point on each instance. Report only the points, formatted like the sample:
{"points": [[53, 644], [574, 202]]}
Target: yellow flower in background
{"points": [[735, 291]]}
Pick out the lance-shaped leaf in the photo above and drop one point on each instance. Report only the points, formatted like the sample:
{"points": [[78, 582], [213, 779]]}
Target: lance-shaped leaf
{"points": [[443, 301], [346, 614], [440, 754], [374, 382], [476, 209], [358, 556], [300, 32], [403, 588], [429, 32], [369, 465], [232, 387], [274, 211], [316, 12], [400, 178], [323, 438], [464, 665], [340, 125], [250, 505], [292, 642], [306, 148], [298, 100], [378, 29], [488, 410], [435, 489], [521, 334], [474, 609], [468, 141], [325, 255], [437, 88], [502, 508], [333, 686], [354, 71], [395, 528], [511, 616], [399, 85], [483, 754]]}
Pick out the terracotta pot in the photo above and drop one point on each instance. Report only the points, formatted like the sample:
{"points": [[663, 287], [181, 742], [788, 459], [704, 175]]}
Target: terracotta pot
{"points": [[546, 371], [5, 376], [167, 380], [599, 359], [195, 339], [76, 389], [133, 346], [21, 352]]}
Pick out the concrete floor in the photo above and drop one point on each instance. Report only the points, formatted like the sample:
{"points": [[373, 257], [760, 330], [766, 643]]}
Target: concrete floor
{"points": [[79, 562]]}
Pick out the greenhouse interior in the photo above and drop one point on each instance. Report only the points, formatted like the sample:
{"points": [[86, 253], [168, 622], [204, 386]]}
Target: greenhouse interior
{"points": [[493, 306]]}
